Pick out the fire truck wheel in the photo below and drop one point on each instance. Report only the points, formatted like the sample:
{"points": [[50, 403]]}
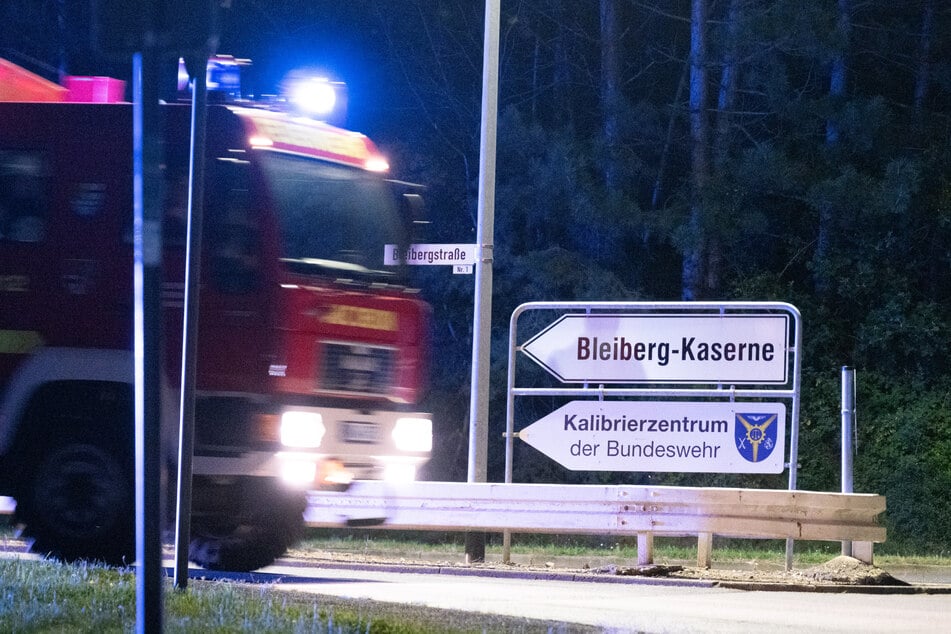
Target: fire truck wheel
{"points": [[256, 540], [79, 504]]}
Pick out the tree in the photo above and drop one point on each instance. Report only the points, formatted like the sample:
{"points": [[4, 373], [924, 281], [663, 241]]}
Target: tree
{"points": [[694, 249], [610, 92]]}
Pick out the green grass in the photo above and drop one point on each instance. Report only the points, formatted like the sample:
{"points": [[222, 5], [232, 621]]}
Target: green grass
{"points": [[50, 597], [450, 546], [421, 544]]}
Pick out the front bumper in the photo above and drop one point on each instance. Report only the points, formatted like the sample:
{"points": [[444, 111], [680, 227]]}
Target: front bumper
{"points": [[321, 447]]}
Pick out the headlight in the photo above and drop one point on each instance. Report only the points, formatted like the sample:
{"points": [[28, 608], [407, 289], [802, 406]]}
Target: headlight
{"points": [[302, 429], [413, 434]]}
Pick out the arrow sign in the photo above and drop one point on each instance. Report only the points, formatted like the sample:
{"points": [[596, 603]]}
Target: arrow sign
{"points": [[614, 348], [663, 436]]}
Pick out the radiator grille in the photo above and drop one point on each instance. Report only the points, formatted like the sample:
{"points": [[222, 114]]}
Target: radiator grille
{"points": [[356, 369]]}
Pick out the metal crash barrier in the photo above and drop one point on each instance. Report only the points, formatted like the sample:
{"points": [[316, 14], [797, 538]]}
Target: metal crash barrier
{"points": [[643, 511]]}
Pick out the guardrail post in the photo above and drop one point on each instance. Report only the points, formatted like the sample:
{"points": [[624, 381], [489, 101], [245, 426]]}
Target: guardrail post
{"points": [[704, 550], [863, 551], [645, 549]]}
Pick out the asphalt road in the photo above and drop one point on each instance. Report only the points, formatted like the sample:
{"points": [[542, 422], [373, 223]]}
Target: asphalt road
{"points": [[625, 604]]}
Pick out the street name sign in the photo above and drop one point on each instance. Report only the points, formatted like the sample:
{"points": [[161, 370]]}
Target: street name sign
{"points": [[430, 254], [654, 348], [706, 437]]}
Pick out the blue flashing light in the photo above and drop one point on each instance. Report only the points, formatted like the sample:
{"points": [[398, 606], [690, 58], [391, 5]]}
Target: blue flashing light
{"points": [[314, 96], [223, 75]]}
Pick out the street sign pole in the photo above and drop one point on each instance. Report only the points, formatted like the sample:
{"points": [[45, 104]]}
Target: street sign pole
{"points": [[147, 274], [197, 70], [482, 313]]}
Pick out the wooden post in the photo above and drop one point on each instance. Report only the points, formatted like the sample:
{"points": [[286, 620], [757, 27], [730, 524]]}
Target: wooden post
{"points": [[645, 549], [704, 550], [863, 552]]}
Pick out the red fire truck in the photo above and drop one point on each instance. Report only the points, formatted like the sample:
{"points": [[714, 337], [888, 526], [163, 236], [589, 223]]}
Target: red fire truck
{"points": [[312, 355]]}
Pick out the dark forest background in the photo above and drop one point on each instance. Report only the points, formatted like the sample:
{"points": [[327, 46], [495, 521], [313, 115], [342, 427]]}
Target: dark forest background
{"points": [[788, 150]]}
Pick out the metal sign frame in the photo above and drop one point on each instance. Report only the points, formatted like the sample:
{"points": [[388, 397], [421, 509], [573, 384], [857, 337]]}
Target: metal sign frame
{"points": [[788, 391]]}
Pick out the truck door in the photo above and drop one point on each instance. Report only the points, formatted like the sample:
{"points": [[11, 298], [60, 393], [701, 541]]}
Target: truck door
{"points": [[25, 211], [92, 231], [234, 332]]}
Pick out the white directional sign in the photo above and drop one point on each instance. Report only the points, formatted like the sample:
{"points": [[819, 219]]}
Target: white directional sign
{"points": [[430, 254], [649, 348], [713, 437]]}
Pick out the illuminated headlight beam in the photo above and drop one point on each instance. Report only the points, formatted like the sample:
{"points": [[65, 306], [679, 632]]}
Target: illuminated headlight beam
{"points": [[413, 434], [302, 429]]}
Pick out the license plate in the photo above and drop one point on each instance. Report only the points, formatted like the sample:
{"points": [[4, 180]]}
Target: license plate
{"points": [[362, 433]]}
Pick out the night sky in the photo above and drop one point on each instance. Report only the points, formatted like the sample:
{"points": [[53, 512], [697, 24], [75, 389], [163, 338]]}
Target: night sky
{"points": [[343, 41]]}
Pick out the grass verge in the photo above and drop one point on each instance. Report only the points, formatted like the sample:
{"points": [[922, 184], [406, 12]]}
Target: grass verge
{"points": [[50, 597], [429, 545]]}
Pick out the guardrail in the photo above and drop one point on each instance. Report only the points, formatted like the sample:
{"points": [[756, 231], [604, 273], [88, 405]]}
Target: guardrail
{"points": [[644, 512], [609, 510]]}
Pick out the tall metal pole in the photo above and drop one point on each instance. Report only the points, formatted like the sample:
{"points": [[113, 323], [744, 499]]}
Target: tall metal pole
{"points": [[197, 70], [482, 313], [147, 276], [794, 423], [848, 425]]}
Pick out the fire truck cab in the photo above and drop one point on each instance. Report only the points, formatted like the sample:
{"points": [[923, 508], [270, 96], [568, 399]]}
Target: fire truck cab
{"points": [[312, 355]]}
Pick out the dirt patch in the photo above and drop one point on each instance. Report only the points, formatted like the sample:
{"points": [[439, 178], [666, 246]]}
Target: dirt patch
{"points": [[839, 571]]}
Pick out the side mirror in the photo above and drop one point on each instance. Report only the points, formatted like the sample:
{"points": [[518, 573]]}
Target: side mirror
{"points": [[413, 211]]}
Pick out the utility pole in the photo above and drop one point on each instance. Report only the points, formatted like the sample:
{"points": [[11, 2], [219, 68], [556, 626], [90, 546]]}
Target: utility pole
{"points": [[482, 313]]}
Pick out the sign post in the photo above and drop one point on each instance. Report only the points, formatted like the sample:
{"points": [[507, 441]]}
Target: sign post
{"points": [[706, 387], [147, 272], [149, 30]]}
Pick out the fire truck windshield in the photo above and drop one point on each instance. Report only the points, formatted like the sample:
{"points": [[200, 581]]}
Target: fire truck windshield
{"points": [[332, 216]]}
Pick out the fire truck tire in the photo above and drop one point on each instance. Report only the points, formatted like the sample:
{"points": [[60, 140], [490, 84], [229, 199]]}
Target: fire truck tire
{"points": [[79, 505], [255, 541]]}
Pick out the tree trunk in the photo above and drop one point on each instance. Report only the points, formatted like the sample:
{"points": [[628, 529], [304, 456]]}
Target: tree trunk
{"points": [[561, 80], [726, 101], [726, 96], [838, 75], [692, 272], [610, 92], [658, 189], [536, 60], [923, 75], [838, 78]]}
